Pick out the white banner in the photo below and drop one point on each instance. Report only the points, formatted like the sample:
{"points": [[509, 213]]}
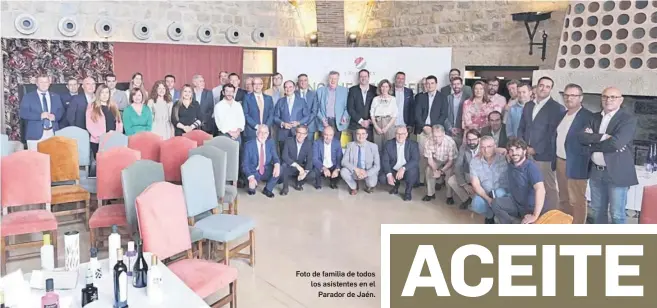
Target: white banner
{"points": [[382, 63]]}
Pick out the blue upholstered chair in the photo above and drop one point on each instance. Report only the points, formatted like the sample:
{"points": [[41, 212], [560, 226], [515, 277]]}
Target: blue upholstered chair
{"points": [[112, 140], [218, 158], [84, 154], [4, 145], [201, 197], [232, 149]]}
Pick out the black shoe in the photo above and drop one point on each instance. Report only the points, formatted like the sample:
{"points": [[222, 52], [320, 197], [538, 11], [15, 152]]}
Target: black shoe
{"points": [[298, 186], [465, 204], [318, 187], [406, 197], [394, 191], [450, 201], [251, 192], [369, 190], [334, 186], [284, 191], [429, 198], [489, 221], [268, 193]]}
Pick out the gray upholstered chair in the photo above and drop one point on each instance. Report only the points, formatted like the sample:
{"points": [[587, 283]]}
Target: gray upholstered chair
{"points": [[112, 140], [232, 149], [218, 158], [84, 154], [201, 197], [4, 145]]}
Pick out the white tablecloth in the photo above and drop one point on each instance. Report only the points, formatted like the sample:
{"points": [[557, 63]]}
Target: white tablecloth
{"points": [[635, 193]]}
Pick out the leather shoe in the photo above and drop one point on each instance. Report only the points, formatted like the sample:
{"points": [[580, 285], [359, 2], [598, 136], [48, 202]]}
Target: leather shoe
{"points": [[318, 187], [353, 192], [450, 201], [268, 193], [251, 192], [298, 187], [333, 186], [489, 221], [284, 191], [394, 191], [465, 204], [407, 197], [429, 198], [369, 190]]}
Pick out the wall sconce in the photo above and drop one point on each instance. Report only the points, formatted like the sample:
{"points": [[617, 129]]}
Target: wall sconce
{"points": [[352, 39], [312, 39], [535, 17]]}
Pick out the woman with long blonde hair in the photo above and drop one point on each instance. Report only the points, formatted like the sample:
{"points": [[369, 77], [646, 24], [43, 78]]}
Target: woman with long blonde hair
{"points": [[161, 105], [102, 116], [137, 117], [186, 114]]}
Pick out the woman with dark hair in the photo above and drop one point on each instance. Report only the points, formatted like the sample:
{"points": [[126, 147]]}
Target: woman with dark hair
{"points": [[102, 116], [186, 113], [477, 108], [383, 114], [137, 117], [161, 105]]}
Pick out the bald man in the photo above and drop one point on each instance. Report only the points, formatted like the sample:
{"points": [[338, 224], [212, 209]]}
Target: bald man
{"points": [[77, 109], [610, 135]]}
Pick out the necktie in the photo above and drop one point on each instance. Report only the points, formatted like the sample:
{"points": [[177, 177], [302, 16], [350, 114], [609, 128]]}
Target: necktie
{"points": [[46, 122], [260, 107], [360, 163], [303, 94], [261, 160]]}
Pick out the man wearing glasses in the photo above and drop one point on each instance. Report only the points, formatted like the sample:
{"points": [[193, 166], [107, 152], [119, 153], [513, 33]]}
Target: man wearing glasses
{"points": [[572, 160], [609, 136], [400, 161]]}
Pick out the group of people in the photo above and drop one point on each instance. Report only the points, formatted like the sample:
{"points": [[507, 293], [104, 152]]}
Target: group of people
{"points": [[501, 159]]}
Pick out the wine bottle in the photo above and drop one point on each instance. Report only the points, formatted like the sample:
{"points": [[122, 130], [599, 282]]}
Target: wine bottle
{"points": [[130, 257], [120, 281], [89, 293], [140, 270], [154, 288], [114, 244], [50, 299]]}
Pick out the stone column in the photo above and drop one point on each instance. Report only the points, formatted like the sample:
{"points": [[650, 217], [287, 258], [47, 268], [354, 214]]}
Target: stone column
{"points": [[330, 23]]}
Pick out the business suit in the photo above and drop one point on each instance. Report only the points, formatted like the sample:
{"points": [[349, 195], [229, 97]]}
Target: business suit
{"points": [[461, 176], [502, 138], [447, 90], [359, 109], [610, 183], [66, 101], [408, 112], [30, 111], [319, 156], [77, 110], [389, 161], [540, 133], [304, 159], [252, 114], [437, 115], [207, 110], [251, 163], [175, 95], [340, 120], [455, 117], [573, 167], [282, 114], [311, 102], [371, 163]]}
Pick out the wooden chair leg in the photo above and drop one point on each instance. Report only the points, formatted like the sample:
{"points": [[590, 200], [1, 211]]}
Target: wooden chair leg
{"points": [[233, 291], [252, 248], [235, 205], [200, 249], [226, 254], [92, 238], [86, 214], [53, 239], [3, 256]]}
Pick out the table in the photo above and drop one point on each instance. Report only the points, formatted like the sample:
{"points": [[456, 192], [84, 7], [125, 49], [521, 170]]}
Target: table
{"points": [[175, 293], [635, 193]]}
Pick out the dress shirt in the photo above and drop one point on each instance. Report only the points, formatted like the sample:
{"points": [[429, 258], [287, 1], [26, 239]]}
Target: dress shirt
{"points": [[363, 92], [538, 106], [90, 98], [456, 103], [491, 175], [303, 93], [290, 103], [597, 157], [260, 146], [216, 93], [496, 136], [443, 152], [327, 155], [275, 94], [431, 97], [361, 148], [399, 97], [47, 100], [259, 97], [507, 110], [198, 95], [401, 160], [562, 133], [229, 116], [298, 148], [330, 103]]}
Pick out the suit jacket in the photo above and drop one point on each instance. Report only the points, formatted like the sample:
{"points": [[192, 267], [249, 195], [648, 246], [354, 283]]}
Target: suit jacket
{"points": [[66, 100], [455, 114], [313, 106], [252, 113], [409, 105], [282, 114], [487, 131], [207, 110], [577, 154], [389, 156], [356, 107], [541, 133], [341, 114], [462, 165], [30, 111], [447, 90], [251, 156], [77, 110], [305, 157], [318, 154], [175, 95], [438, 110], [616, 150], [369, 152]]}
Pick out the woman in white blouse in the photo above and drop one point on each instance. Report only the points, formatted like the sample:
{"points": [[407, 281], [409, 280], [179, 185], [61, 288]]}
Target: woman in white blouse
{"points": [[383, 113], [161, 106]]}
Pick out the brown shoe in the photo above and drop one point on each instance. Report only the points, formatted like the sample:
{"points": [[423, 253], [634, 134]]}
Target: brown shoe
{"points": [[353, 192]]}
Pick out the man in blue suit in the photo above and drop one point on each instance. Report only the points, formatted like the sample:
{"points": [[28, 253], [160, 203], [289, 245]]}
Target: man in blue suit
{"points": [[261, 162], [311, 101], [290, 112], [327, 158], [41, 110], [400, 161], [297, 160], [170, 82], [73, 87], [332, 103], [258, 110], [77, 109], [572, 159], [405, 103]]}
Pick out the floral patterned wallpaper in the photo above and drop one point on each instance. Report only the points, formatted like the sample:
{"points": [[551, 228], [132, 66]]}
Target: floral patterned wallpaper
{"points": [[24, 59]]}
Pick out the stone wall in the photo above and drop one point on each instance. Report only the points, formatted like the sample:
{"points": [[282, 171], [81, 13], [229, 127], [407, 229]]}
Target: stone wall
{"points": [[278, 19], [480, 32]]}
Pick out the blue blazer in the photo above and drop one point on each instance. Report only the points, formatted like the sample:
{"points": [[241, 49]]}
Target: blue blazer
{"points": [[76, 113], [389, 157], [541, 133], [577, 154], [252, 113], [251, 157], [30, 110], [341, 94], [409, 104], [313, 106], [305, 157], [318, 153], [282, 114], [175, 95]]}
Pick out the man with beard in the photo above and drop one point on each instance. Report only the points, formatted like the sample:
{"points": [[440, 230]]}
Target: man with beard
{"points": [[493, 85], [525, 202], [488, 175], [496, 129], [405, 103], [460, 181], [455, 100], [449, 89]]}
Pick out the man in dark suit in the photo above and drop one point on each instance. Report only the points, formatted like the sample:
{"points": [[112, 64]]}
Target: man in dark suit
{"points": [[261, 162], [258, 110], [290, 112], [496, 129], [77, 109], [609, 136], [455, 100], [204, 97], [41, 110], [405, 103], [538, 128], [234, 79], [73, 87], [359, 101], [572, 159], [400, 161], [312, 103], [297, 160], [170, 82], [327, 158], [430, 109], [449, 89]]}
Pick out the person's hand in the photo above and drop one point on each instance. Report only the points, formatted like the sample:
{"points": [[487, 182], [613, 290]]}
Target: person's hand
{"points": [[455, 131], [489, 200], [277, 170], [44, 115], [379, 131], [51, 117], [287, 125], [326, 172], [531, 151], [437, 173], [295, 123], [335, 173], [427, 130], [360, 173], [343, 120], [605, 137], [529, 219], [588, 130], [469, 189], [253, 183], [300, 169], [302, 175], [400, 173], [187, 129], [391, 180]]}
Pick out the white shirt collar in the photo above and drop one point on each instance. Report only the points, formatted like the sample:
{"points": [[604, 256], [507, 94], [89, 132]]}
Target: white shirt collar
{"points": [[42, 93], [542, 102], [611, 114], [291, 98]]}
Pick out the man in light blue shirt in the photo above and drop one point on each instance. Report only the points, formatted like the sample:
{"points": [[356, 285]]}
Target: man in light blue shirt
{"points": [[515, 110]]}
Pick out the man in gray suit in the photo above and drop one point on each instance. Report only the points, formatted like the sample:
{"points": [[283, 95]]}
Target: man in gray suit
{"points": [[118, 97], [448, 89], [361, 161], [311, 102], [460, 181], [454, 122]]}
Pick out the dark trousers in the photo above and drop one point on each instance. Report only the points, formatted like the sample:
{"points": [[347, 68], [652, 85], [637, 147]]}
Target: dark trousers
{"points": [[94, 149], [508, 211], [268, 177], [411, 177], [319, 175], [288, 172]]}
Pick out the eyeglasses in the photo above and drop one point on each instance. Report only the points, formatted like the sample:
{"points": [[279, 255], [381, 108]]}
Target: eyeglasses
{"points": [[567, 96], [613, 98]]}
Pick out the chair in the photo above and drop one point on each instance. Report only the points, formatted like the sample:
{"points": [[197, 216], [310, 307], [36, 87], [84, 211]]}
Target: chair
{"points": [[555, 217], [218, 158], [232, 149], [4, 145], [110, 165], [173, 153], [648, 214], [112, 140], [161, 214], [84, 154], [198, 135], [201, 197], [147, 143], [17, 170], [64, 161]]}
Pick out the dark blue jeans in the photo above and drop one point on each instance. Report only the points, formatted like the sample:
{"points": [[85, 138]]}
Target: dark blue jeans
{"points": [[606, 198]]}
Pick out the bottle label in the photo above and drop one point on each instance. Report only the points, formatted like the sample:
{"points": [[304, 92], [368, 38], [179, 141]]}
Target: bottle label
{"points": [[123, 287], [55, 305]]}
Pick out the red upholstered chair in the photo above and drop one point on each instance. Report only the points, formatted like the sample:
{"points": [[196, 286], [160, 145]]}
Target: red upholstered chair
{"points": [[649, 205], [25, 181], [109, 167], [173, 153], [147, 143], [162, 217], [198, 135]]}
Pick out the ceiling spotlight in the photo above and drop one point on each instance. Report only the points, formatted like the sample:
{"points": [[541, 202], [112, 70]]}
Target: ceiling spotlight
{"points": [[352, 38]]}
